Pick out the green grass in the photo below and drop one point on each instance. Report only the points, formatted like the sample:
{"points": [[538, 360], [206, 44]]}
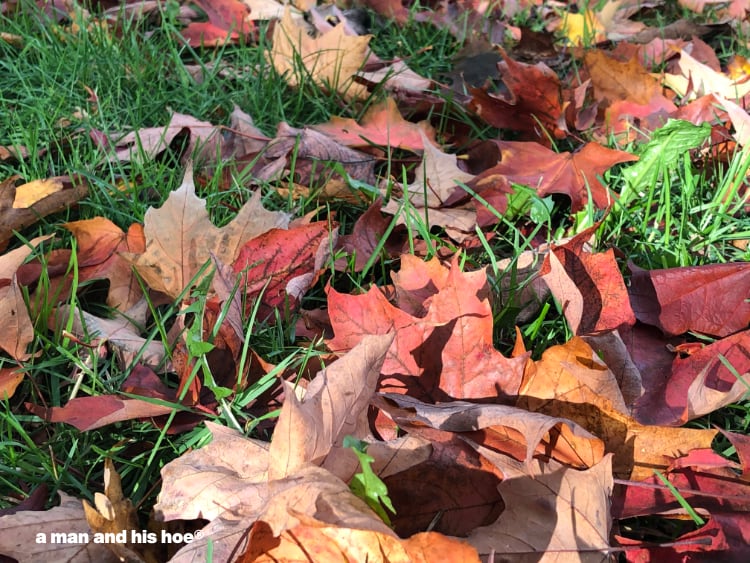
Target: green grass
{"points": [[689, 216]]}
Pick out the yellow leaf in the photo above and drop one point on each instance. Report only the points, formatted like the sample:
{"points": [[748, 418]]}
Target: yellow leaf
{"points": [[583, 29], [28, 194], [330, 60]]}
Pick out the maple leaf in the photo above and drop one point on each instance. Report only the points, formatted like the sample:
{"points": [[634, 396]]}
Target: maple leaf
{"points": [[148, 142], [334, 406], [696, 385], [447, 352], [309, 150], [615, 80], [19, 532], [572, 174], [114, 514], [511, 431], [435, 181], [228, 21], [452, 490], [571, 382], [678, 300], [711, 486], [314, 540], [697, 79], [365, 238], [19, 330], [588, 286], [535, 105], [569, 510], [180, 238], [235, 481], [120, 333], [734, 9], [89, 413], [283, 264], [383, 126], [329, 60], [99, 243]]}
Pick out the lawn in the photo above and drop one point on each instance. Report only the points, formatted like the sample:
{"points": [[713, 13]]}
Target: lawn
{"points": [[291, 281]]}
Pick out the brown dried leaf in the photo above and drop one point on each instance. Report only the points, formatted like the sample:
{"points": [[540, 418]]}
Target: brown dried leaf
{"points": [[330, 60], [180, 237], [19, 532], [565, 511], [312, 429]]}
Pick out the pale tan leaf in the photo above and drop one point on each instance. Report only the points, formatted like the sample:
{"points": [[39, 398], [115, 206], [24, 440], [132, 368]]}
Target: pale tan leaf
{"points": [[698, 79], [28, 194], [180, 237], [230, 472], [20, 535], [434, 182], [329, 60], [565, 512], [119, 333], [18, 331], [335, 405]]}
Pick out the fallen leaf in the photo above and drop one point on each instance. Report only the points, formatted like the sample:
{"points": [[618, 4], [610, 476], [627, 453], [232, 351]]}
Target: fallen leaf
{"points": [[312, 429], [10, 379], [120, 333], [381, 126], [364, 239], [511, 431], [614, 80], [572, 174], [313, 540], [567, 509], [678, 300], [329, 60], [19, 532], [19, 330], [306, 155], [89, 413], [698, 79], [711, 488], [114, 514], [588, 286], [30, 193], [572, 383], [100, 244], [14, 219], [228, 473], [446, 353], [452, 490], [180, 238], [147, 143], [698, 384], [435, 181], [534, 106], [228, 21], [280, 265], [740, 121]]}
